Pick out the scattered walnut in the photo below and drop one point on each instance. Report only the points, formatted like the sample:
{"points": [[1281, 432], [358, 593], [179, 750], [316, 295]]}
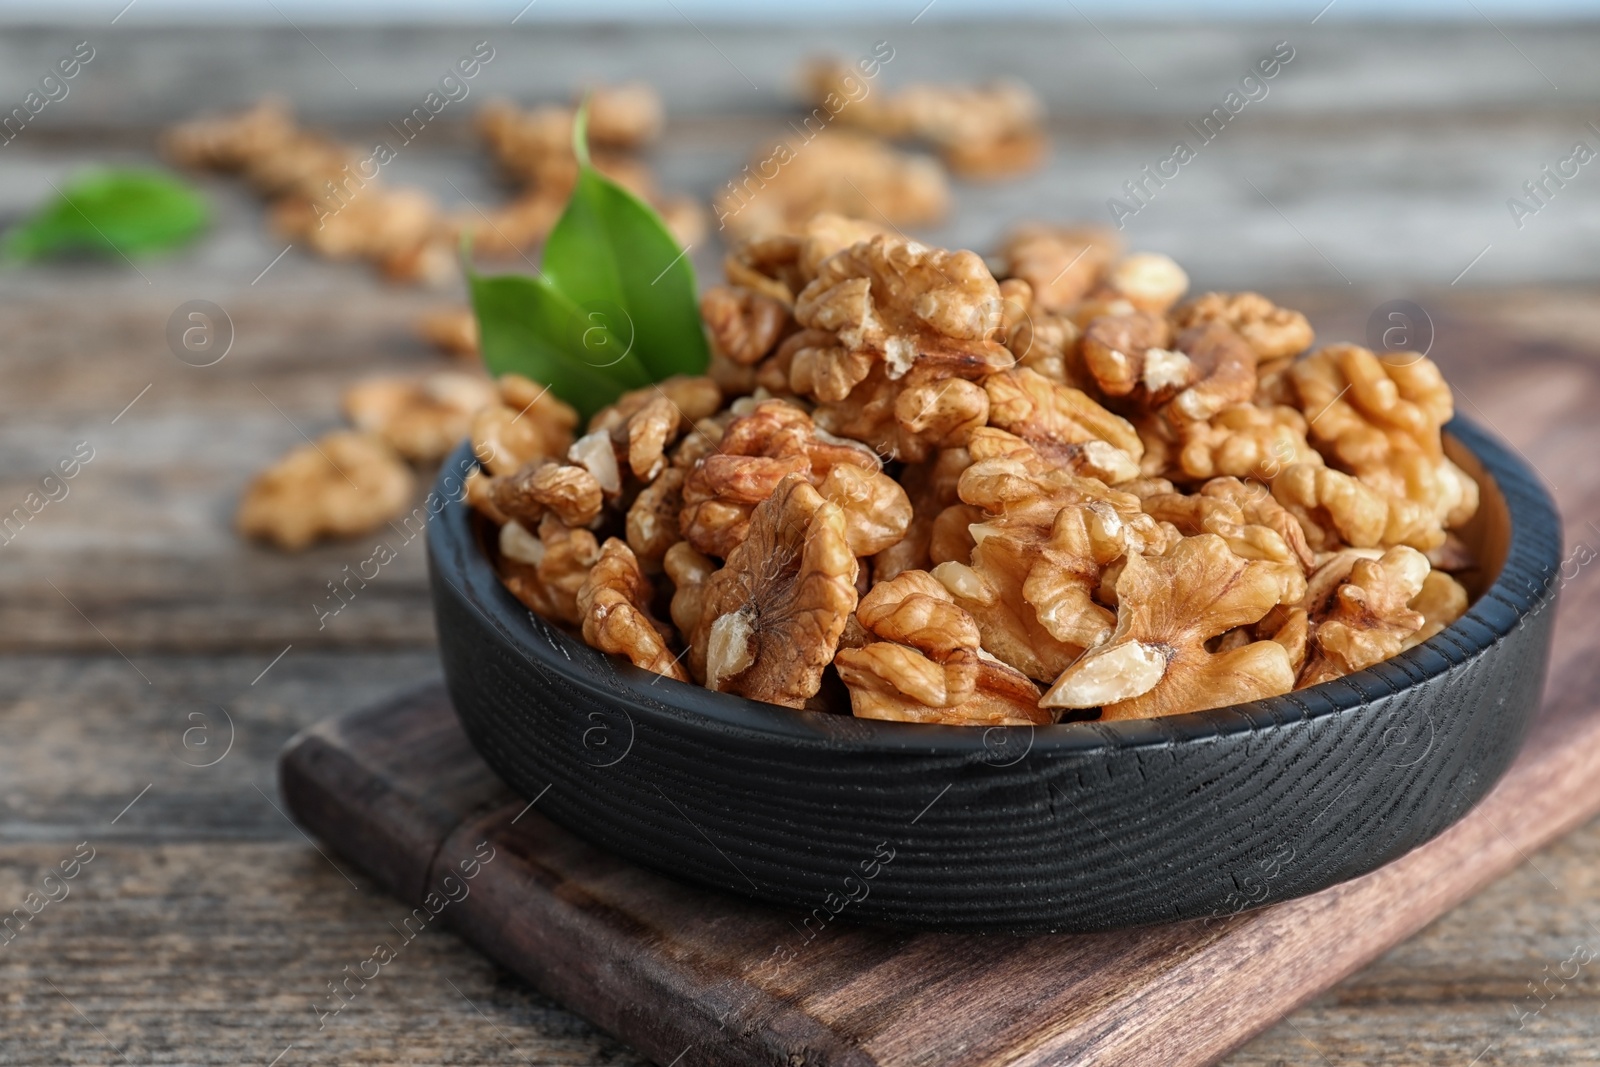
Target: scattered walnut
{"points": [[528, 423], [772, 616], [834, 171], [744, 325], [1156, 662], [546, 571], [614, 602], [1366, 617], [453, 331], [231, 142], [1277, 334], [543, 486], [1243, 441], [421, 418], [1337, 509], [624, 116], [345, 484]]}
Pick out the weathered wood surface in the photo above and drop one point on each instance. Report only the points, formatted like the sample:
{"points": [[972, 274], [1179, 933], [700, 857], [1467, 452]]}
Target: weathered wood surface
{"points": [[206, 926], [674, 970]]}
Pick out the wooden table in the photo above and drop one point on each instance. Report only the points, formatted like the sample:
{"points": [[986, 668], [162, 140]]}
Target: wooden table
{"points": [[139, 639]]}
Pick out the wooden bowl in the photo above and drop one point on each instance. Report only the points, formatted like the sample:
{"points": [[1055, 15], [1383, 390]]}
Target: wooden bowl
{"points": [[1075, 827]]}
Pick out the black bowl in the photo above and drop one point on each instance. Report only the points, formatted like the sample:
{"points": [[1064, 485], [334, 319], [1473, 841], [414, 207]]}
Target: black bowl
{"points": [[1082, 826]]}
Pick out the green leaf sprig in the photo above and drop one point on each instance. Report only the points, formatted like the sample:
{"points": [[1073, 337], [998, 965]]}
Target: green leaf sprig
{"points": [[111, 212], [612, 308]]}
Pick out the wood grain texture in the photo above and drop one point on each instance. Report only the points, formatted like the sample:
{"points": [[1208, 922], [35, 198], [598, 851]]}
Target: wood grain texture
{"points": [[1391, 149], [668, 968]]}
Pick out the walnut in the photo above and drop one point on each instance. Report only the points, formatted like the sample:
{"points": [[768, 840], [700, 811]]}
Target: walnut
{"points": [[876, 510], [1379, 417], [231, 142], [992, 590], [1064, 423], [1011, 155], [421, 418], [1039, 340], [926, 664], [1062, 582], [1366, 617], [758, 450], [772, 616], [596, 453], [1149, 281], [688, 571], [1337, 509], [1244, 441], [1275, 333], [950, 538], [1225, 373], [988, 131], [547, 570], [1441, 601], [614, 602], [695, 398], [833, 171], [528, 423], [652, 522], [345, 484], [1156, 661], [624, 116], [906, 305], [744, 325], [1254, 525], [1115, 351], [453, 331], [544, 486], [930, 487], [375, 223]]}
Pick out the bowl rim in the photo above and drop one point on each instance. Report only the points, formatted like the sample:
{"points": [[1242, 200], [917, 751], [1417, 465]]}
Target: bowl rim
{"points": [[1526, 583]]}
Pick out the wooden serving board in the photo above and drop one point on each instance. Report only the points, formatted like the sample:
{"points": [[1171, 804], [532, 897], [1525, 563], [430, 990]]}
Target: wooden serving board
{"points": [[692, 978]]}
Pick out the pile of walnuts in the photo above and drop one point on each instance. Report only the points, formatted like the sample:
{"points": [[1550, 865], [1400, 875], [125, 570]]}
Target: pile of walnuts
{"points": [[984, 495]]}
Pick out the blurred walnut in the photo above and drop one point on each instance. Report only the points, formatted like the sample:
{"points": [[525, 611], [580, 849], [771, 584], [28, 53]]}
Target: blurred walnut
{"points": [[1244, 441], [1065, 424], [743, 325], [508, 230], [614, 602], [345, 484], [1041, 341], [421, 418], [1156, 662], [546, 571], [990, 131], [231, 142], [528, 423], [1245, 516], [1149, 281], [1365, 618], [629, 115], [1062, 264], [780, 265], [1337, 509], [1277, 334], [372, 222], [545, 486], [771, 618], [453, 331], [534, 146], [834, 171]]}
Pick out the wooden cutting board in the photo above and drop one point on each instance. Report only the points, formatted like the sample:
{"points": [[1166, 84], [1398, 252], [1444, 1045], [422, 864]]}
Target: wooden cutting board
{"points": [[691, 977]]}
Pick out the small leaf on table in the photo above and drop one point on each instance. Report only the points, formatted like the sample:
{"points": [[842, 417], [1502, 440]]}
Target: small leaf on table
{"points": [[111, 212]]}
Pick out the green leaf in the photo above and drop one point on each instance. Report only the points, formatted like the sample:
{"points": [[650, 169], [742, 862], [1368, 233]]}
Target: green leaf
{"points": [[111, 212], [613, 309], [527, 326]]}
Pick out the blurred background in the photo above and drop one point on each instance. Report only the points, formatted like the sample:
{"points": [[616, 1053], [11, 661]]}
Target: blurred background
{"points": [[1391, 158]]}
